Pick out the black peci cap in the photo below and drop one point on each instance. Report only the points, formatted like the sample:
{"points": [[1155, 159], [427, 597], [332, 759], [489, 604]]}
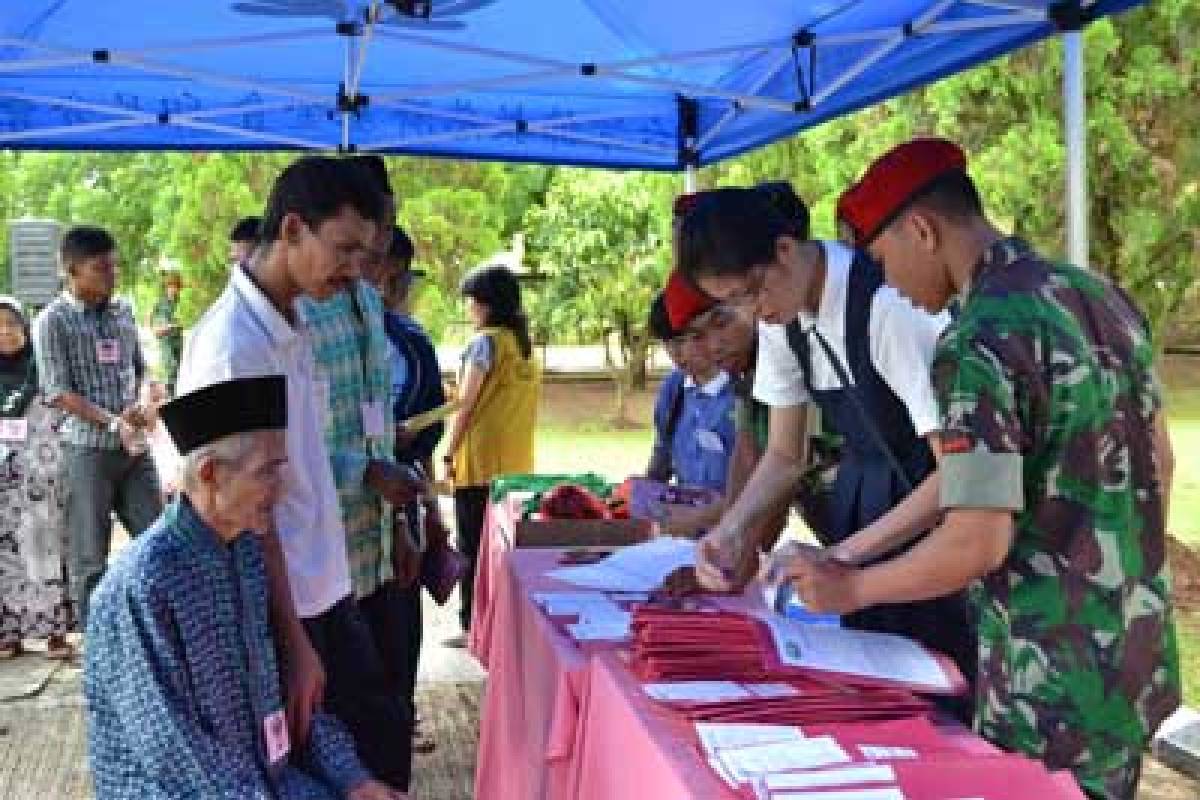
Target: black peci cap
{"points": [[223, 409]]}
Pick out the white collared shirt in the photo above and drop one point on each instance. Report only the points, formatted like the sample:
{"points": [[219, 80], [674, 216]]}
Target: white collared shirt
{"points": [[714, 387], [243, 335], [903, 340]]}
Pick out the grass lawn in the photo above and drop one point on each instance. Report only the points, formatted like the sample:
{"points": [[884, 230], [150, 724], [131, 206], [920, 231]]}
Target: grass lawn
{"points": [[1182, 378], [1183, 414]]}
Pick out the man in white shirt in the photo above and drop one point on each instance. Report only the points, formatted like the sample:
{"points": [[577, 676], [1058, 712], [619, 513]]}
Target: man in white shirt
{"points": [[316, 233], [831, 333]]}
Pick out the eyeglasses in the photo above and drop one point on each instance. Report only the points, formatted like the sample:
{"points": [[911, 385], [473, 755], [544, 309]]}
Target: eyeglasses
{"points": [[751, 292], [348, 253]]}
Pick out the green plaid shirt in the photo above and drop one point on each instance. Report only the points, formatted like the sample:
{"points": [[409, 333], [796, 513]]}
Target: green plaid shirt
{"points": [[350, 347]]}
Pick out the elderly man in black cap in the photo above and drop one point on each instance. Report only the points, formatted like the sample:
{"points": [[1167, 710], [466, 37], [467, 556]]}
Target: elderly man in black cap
{"points": [[181, 678]]}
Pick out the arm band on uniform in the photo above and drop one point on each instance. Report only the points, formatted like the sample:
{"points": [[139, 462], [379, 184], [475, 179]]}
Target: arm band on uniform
{"points": [[982, 480]]}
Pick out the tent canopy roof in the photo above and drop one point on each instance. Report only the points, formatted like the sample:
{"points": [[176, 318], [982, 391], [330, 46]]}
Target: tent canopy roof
{"points": [[615, 83]]}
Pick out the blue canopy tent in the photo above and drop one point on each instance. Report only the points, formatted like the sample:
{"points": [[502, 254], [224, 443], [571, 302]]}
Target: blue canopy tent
{"points": [[662, 85]]}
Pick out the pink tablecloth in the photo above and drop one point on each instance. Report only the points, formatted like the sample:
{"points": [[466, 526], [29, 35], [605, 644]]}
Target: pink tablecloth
{"points": [[494, 542], [529, 715], [558, 722], [627, 746]]}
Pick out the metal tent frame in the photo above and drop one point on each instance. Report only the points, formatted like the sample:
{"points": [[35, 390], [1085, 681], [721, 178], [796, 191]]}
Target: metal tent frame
{"points": [[618, 103]]}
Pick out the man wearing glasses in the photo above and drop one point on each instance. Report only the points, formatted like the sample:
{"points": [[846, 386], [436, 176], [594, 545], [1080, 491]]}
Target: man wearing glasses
{"points": [[832, 334], [352, 352]]}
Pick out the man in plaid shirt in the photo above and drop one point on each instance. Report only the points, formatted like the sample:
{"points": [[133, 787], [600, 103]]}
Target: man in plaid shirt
{"points": [[90, 365], [350, 347]]}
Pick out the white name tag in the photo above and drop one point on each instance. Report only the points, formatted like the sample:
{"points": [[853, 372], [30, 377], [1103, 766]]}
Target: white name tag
{"points": [[14, 430], [710, 441], [108, 351], [373, 419], [275, 733], [321, 387]]}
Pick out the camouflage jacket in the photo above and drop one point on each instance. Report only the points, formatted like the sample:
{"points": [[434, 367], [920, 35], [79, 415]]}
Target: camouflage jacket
{"points": [[1048, 395]]}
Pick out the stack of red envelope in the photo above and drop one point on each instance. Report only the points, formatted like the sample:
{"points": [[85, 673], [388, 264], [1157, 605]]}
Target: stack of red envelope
{"points": [[696, 645], [700, 645], [812, 707]]}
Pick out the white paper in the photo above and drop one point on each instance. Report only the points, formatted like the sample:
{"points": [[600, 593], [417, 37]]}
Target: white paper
{"points": [[889, 793], [722, 773], [746, 763], [716, 736], [629, 597], [876, 752], [696, 691], [598, 631], [866, 653], [599, 576], [571, 603], [840, 776], [637, 568], [772, 689]]}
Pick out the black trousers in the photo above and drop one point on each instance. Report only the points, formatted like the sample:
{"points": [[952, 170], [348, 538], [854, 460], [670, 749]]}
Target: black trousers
{"points": [[358, 693], [470, 505], [394, 617]]}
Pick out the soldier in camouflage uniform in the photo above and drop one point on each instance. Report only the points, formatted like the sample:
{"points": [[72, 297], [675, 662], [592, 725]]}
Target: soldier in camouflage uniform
{"points": [[1055, 477], [165, 323]]}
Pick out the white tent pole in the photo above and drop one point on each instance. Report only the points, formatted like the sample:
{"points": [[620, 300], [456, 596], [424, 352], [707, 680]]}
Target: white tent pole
{"points": [[1075, 135], [689, 179], [347, 78]]}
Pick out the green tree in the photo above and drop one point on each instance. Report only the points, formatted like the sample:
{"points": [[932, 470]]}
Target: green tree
{"points": [[602, 240], [1143, 71]]}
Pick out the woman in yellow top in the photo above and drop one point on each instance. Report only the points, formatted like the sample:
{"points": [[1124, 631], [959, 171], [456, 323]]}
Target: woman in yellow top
{"points": [[498, 385]]}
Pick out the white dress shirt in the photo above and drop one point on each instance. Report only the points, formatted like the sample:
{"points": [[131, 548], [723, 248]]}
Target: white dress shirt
{"points": [[244, 335], [903, 339]]}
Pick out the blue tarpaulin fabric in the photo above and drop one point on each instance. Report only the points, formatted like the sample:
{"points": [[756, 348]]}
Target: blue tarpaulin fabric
{"points": [[648, 84]]}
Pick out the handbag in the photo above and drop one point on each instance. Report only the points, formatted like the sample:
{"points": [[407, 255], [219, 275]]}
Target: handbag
{"points": [[442, 567]]}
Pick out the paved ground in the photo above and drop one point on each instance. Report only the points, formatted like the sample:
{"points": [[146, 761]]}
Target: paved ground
{"points": [[42, 729]]}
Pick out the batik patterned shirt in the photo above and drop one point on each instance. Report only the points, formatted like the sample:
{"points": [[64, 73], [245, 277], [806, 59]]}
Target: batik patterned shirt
{"points": [[1048, 395], [180, 677]]}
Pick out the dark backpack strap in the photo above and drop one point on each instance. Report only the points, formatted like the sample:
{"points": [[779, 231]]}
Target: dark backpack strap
{"points": [[674, 412], [865, 277], [866, 419], [798, 340]]}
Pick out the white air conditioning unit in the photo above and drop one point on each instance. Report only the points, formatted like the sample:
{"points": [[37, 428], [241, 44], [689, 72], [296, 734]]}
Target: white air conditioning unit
{"points": [[33, 260]]}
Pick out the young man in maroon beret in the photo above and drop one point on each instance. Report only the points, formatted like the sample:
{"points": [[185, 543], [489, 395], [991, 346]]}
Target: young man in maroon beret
{"points": [[1055, 474]]}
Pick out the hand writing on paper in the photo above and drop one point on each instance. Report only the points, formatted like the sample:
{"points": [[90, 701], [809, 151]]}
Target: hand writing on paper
{"points": [[718, 554], [824, 585]]}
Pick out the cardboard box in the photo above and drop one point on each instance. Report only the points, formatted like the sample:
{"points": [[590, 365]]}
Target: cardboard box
{"points": [[580, 532]]}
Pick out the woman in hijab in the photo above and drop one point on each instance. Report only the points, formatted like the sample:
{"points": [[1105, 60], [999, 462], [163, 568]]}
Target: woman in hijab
{"points": [[33, 589]]}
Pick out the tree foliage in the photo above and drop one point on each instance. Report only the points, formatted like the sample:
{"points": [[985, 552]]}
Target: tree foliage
{"points": [[603, 238], [601, 241]]}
